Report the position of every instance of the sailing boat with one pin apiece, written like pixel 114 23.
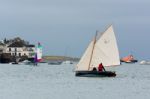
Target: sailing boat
pixel 38 54
pixel 67 59
pixel 102 49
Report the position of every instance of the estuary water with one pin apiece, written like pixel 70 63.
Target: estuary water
pixel 59 82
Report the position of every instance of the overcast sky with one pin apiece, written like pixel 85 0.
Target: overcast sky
pixel 65 27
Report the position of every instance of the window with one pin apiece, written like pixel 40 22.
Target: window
pixel 15 49
pixel 9 49
pixel 19 54
pixel 13 54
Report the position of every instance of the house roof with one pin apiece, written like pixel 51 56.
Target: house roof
pixel 17 44
pixel 30 45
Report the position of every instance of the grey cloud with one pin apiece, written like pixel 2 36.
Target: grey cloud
pixel 61 23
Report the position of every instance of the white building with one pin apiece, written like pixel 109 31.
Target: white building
pixel 1 47
pixel 18 47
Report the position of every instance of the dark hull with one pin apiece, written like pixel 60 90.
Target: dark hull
pixel 55 63
pixel 132 61
pixel 14 63
pixel 95 74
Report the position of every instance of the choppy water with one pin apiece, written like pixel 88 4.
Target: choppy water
pixel 58 82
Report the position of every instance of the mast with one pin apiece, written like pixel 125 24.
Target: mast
pixel 92 50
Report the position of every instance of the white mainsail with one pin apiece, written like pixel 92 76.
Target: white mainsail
pixel 105 51
pixel 85 60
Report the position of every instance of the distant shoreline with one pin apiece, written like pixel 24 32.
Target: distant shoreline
pixel 59 58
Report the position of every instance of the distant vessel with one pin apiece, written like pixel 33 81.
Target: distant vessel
pixel 129 59
pixel 67 62
pixel 144 62
pixel 55 63
pixel 67 59
pixel 103 49
pixel 26 62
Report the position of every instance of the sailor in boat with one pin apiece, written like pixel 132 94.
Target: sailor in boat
pixel 101 67
pixel 94 69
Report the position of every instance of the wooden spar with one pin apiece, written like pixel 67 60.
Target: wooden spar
pixel 92 50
